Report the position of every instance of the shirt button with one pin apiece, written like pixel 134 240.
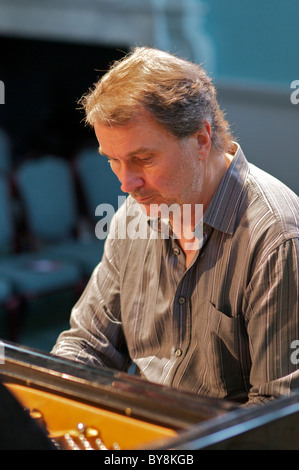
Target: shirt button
pixel 182 300
pixel 176 251
pixel 178 352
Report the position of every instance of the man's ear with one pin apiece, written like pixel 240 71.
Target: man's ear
pixel 204 141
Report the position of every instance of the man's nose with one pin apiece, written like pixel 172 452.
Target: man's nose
pixel 130 180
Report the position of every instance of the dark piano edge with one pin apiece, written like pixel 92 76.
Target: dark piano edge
pixel 109 389
pixel 245 424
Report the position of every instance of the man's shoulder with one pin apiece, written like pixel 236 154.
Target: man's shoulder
pixel 271 204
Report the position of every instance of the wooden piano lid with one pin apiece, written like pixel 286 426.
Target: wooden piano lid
pixel 123 408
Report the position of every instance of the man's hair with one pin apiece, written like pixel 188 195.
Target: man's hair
pixel 178 93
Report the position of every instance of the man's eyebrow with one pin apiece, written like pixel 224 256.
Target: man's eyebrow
pixel 138 151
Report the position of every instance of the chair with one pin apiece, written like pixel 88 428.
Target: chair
pixel 46 187
pixel 99 184
pixel 29 274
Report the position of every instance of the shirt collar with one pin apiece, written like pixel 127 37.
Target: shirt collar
pixel 222 210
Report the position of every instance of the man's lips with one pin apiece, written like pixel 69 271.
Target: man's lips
pixel 142 199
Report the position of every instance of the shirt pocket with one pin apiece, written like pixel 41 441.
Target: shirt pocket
pixel 228 332
pixel 225 342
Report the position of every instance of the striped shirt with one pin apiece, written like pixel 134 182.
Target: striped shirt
pixel 226 327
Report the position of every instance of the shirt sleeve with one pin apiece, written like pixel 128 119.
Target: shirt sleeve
pixel 273 324
pixel 96 334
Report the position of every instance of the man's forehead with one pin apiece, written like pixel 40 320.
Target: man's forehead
pixel 135 138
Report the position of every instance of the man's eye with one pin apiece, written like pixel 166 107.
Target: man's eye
pixel 147 160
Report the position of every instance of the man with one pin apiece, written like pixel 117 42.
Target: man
pixel 208 305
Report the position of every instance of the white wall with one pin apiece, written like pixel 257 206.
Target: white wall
pixel 266 124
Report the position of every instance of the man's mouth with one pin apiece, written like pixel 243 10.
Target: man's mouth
pixel 142 199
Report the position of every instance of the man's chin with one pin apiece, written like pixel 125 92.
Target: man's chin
pixel 159 210
pixel 149 207
pixel 146 208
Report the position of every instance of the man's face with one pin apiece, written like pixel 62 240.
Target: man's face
pixel 153 166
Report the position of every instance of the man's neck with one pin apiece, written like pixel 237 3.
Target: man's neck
pixel 190 239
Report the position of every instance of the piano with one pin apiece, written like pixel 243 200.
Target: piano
pixel 49 403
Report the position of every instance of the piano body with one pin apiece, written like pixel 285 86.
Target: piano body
pixel 48 403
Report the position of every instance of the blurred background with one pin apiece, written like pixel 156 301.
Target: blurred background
pixel 51 52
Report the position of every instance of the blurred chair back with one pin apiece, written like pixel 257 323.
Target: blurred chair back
pixel 26 275
pixel 99 184
pixel 47 190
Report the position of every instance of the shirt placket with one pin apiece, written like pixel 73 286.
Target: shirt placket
pixel 180 304
pixel 182 308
